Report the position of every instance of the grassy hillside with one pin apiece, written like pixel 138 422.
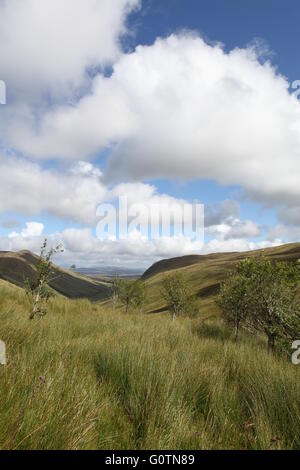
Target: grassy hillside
pixel 85 378
pixel 16 267
pixel 205 273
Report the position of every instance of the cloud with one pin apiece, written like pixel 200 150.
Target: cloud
pixel 32 229
pixel 205 113
pixel 144 201
pixel 72 132
pixel 216 214
pixel 289 215
pixel 10 223
pixel 284 233
pixel 237 245
pixel 234 229
pixel 180 108
pixel 72 194
pixel 46 47
pixel 222 220
pixel 184 109
pixel 84 249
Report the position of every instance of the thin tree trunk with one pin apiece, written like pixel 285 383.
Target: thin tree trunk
pixel 173 315
pixel 236 331
pixel 114 300
pixel 271 342
pixel 36 305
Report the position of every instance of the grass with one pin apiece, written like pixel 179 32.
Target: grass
pixel 86 378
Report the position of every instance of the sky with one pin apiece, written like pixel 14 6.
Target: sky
pixel 161 102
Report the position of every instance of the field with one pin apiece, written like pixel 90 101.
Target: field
pixel 84 377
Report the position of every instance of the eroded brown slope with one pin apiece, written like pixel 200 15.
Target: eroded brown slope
pixel 17 267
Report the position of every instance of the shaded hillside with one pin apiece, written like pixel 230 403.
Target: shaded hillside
pixel 205 273
pixel 16 267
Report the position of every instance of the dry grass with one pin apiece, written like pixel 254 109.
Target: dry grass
pixel 85 378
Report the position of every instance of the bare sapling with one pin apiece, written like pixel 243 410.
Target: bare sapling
pixel 38 288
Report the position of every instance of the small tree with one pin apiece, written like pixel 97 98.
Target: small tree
pixel 73 267
pixel 115 290
pixel 176 293
pixel 274 293
pixel 125 293
pixel 139 295
pixel 233 299
pixel 38 289
pixel 132 293
pixel 265 294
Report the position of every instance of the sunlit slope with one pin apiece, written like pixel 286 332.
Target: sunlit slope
pixel 16 267
pixel 205 274
pixel 85 377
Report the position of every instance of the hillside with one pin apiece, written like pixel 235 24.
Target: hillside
pixel 205 273
pixel 84 377
pixel 16 267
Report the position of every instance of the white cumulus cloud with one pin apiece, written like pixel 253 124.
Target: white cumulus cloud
pixel 32 229
pixel 183 109
pixel 47 46
pixel 29 189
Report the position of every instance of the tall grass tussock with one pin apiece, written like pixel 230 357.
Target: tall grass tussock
pixel 84 377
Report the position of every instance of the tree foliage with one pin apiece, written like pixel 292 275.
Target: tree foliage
pixel 139 295
pixel 132 294
pixel 233 299
pixel 265 295
pixel 176 292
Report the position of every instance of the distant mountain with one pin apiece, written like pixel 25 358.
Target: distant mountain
pixel 110 271
pixel 16 267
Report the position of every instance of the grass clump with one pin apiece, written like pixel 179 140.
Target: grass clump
pixel 86 378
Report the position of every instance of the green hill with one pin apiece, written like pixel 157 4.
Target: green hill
pixel 205 273
pixel 16 267
pixel 87 377
pixel 84 377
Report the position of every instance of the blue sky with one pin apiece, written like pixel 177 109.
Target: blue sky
pixel 233 22
pixel 187 100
